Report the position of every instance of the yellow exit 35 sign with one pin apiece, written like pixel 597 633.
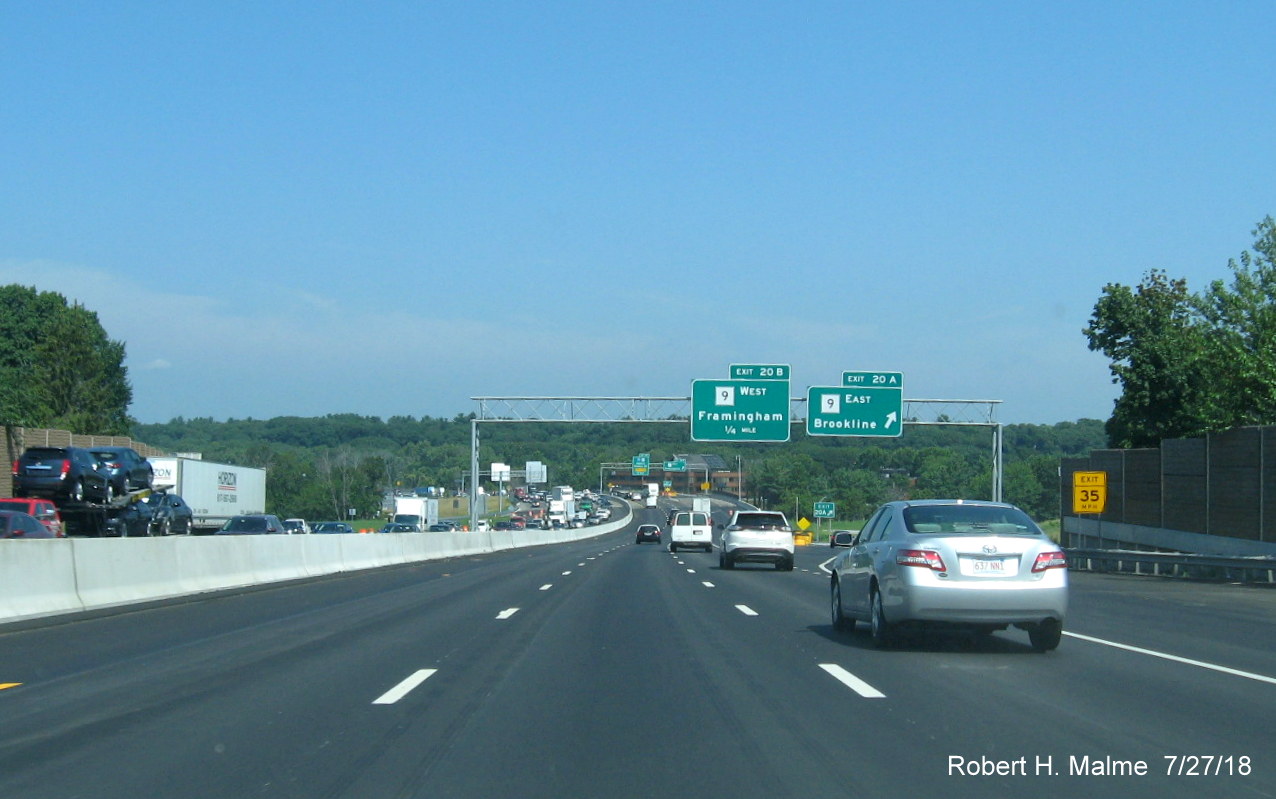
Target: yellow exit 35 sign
pixel 1089 492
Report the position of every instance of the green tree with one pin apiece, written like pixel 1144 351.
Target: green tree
pixel 23 312
pixel 946 474
pixel 1023 486
pixel 859 491
pixel 58 366
pixel 1157 347
pixel 1241 319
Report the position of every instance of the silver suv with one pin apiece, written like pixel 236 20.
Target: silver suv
pixel 757 536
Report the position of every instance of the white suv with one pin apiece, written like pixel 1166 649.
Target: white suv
pixel 757 536
pixel 690 528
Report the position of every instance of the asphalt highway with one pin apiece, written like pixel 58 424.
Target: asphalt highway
pixel 609 669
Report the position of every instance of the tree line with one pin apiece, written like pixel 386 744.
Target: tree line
pixel 319 467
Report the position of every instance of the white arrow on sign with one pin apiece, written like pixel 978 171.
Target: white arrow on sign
pixel 891 418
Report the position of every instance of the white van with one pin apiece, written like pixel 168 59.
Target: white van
pixel 691 528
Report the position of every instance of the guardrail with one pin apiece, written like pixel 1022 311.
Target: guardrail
pixel 1259 569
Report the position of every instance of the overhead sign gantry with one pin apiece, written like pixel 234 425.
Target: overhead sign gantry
pixel 753 404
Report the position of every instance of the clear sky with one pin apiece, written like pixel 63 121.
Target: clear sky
pixel 386 208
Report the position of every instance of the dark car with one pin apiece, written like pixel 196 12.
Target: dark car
pixel 335 527
pixel 253 524
pixel 648 532
pixel 66 474
pixel 42 509
pixel 170 515
pixel 14 524
pixel 131 521
pixel 124 468
pixel 399 527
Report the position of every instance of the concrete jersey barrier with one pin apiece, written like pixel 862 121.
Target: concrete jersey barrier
pixel 67 575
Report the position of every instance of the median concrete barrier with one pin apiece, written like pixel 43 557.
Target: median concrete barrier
pixel 110 571
pixel 47 577
pixel 37 578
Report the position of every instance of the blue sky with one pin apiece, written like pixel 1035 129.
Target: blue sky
pixel 302 208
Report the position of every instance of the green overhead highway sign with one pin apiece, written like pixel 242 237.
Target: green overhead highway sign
pixel 740 410
pixel 864 409
pixel 679 465
pixel 641 465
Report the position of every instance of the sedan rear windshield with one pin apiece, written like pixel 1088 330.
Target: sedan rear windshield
pixel 247 524
pixel 968 519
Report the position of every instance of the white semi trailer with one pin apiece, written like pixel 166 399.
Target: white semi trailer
pixel 214 491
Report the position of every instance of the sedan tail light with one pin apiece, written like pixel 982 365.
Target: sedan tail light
pixel 924 558
pixel 1050 560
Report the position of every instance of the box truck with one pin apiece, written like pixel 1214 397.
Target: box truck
pixel 419 512
pixel 214 491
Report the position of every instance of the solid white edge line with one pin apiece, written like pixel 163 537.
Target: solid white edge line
pixel 746 610
pixel 851 681
pixel 402 689
pixel 1175 658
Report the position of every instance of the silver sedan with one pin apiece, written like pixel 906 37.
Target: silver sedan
pixel 950 563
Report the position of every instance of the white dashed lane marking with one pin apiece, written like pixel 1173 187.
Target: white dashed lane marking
pixel 851 681
pixel 402 689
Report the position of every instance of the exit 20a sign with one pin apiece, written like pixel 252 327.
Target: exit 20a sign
pixel 1089 492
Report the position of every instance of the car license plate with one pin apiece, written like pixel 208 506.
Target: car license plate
pixel 986 567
